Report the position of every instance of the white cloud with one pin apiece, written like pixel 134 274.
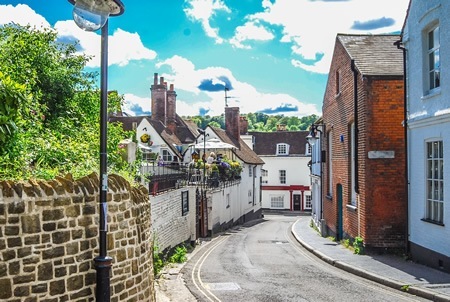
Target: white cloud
pixel 133 100
pixel 123 46
pixel 311 26
pixel 186 77
pixel 203 11
pixel 250 31
pixel 21 14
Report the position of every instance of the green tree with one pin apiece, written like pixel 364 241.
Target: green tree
pixel 54 106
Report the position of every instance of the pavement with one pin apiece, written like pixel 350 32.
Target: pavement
pixel 390 270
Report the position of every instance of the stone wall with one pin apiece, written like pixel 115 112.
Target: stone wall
pixel 49 237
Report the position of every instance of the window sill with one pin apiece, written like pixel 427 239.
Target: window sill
pixel 329 197
pixel 337 95
pixel 431 94
pixel 351 207
pixel 432 222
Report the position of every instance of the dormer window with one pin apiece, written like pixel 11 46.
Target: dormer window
pixel 282 149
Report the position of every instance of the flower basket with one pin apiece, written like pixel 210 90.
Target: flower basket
pixel 145 138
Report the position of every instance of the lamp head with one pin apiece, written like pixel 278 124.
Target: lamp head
pixel 91 15
pixel 311 138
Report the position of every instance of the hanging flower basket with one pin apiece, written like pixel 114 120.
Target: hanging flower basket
pixel 145 138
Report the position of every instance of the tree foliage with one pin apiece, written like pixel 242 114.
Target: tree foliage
pixel 49 109
pixel 260 121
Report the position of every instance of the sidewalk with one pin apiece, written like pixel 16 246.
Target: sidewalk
pixel 392 271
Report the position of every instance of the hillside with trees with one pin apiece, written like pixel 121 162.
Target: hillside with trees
pixel 259 121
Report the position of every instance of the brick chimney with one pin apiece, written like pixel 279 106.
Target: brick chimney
pixel 171 105
pixel 158 91
pixel 281 127
pixel 243 125
pixel 232 122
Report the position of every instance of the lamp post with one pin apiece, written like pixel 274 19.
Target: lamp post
pixel 91 15
pixel 203 203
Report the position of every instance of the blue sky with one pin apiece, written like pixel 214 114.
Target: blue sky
pixel 273 55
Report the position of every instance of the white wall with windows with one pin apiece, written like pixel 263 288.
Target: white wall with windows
pixel 427 40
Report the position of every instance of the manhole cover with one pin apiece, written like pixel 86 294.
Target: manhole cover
pixel 222 286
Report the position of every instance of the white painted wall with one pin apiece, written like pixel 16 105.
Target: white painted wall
pixel 297 173
pixel 429 118
pixel 170 228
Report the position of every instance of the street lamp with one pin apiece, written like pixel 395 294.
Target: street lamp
pixel 91 15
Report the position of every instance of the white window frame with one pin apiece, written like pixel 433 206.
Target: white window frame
pixel 434 200
pixel 282 149
pixel 277 201
pixel 166 156
pixel 308 202
pixel 432 58
pixel 264 176
pixel 282 176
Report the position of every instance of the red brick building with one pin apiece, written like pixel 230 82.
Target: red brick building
pixel 364 186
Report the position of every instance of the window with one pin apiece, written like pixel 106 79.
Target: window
pixel 184 203
pixel 250 171
pixel 353 164
pixel 338 82
pixel 435 182
pixel 282 176
pixel 147 155
pixel 250 196
pixel 433 58
pixel 282 149
pixel 330 163
pixel 166 156
pixel 228 200
pixel 308 149
pixel 264 176
pixel 277 201
pixel 308 204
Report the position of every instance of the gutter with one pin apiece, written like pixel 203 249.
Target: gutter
pixel 405 125
pixel 355 113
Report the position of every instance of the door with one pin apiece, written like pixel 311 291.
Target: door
pixel 297 202
pixel 340 220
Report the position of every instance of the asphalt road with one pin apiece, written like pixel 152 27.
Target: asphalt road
pixel 265 263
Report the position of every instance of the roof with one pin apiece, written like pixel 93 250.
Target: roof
pixel 243 152
pixel 374 55
pixel 265 143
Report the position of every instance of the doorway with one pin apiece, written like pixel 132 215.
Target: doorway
pixel 297 202
pixel 340 220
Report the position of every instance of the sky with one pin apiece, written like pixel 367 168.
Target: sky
pixel 272 55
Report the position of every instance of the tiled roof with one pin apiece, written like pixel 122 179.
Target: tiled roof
pixel 242 151
pixel 374 55
pixel 265 143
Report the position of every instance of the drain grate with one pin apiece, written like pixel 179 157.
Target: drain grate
pixel 223 286
pixel 273 241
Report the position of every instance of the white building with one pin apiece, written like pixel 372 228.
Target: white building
pixel 426 38
pixel 285 174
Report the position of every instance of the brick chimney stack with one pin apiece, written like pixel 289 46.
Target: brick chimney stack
pixel 171 105
pixel 158 92
pixel 232 122
pixel 243 125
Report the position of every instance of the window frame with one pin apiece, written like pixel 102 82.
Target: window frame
pixel 277 199
pixel 282 176
pixel 184 203
pixel 166 155
pixel 434 175
pixel 282 149
pixel 432 58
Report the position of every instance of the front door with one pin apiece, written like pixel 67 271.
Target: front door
pixel 297 202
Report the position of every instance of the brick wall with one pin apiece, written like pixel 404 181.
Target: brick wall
pixel 49 237
pixel 380 216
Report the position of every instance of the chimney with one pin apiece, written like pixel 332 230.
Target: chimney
pixel 171 104
pixel 158 92
pixel 232 122
pixel 281 127
pixel 243 125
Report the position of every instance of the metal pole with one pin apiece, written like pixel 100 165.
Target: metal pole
pixel 102 261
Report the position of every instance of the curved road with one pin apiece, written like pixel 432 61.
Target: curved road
pixel 265 263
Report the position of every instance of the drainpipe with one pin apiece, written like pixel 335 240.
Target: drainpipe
pixel 405 125
pixel 355 114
